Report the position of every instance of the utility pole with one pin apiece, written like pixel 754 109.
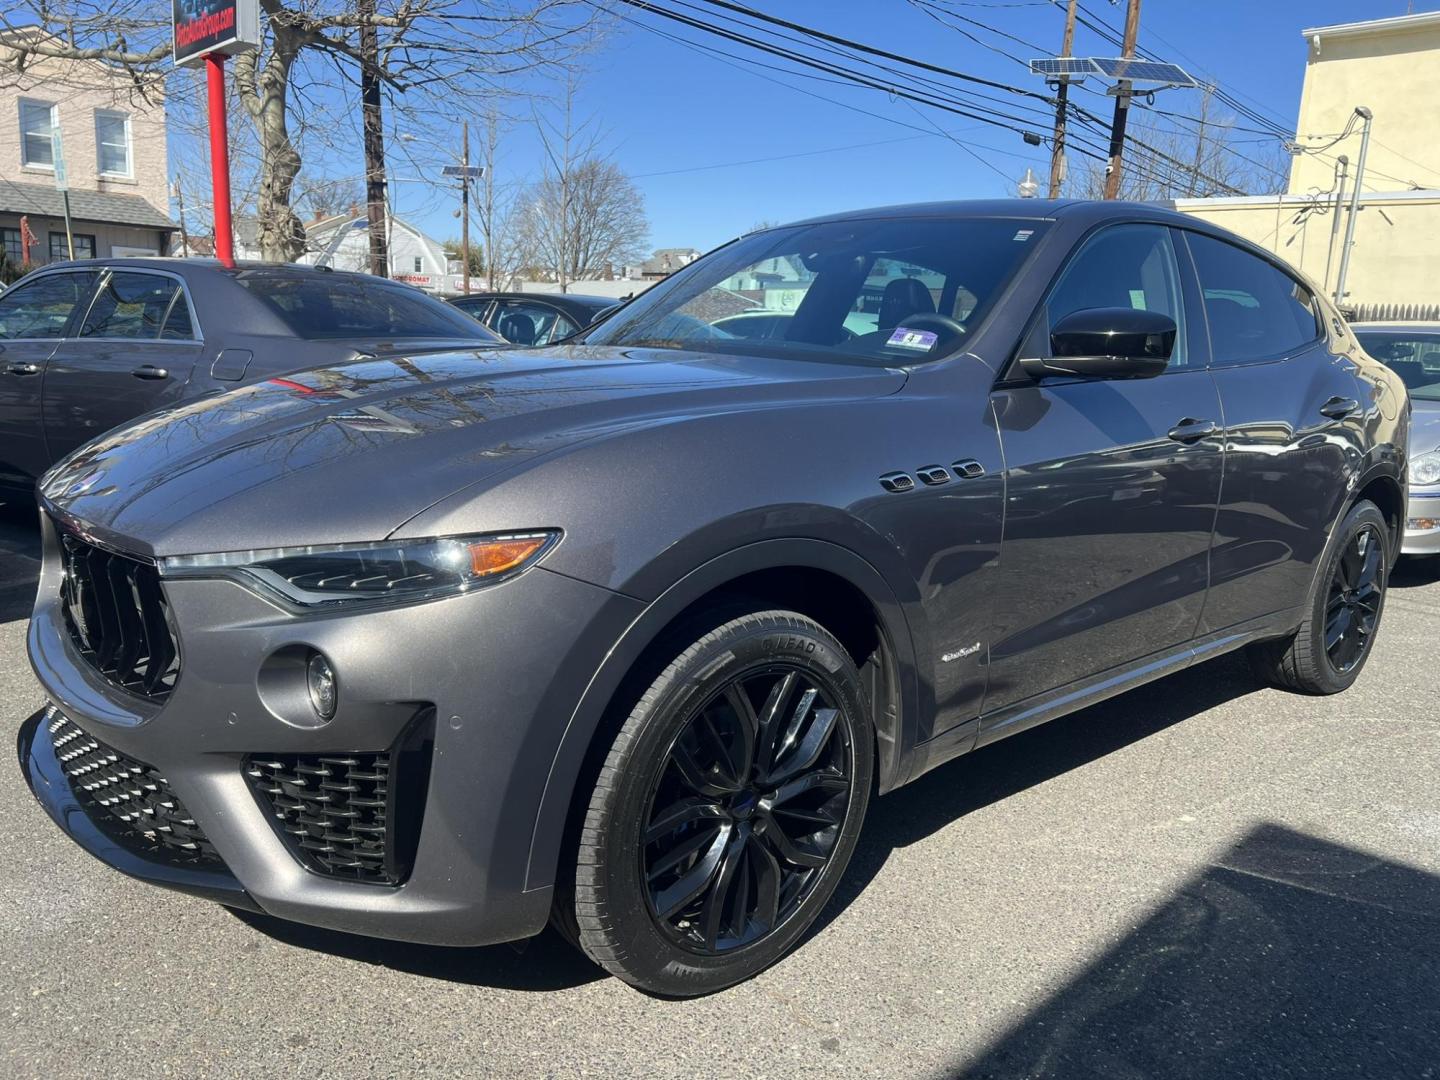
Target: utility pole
pixel 374 138
pixel 1342 168
pixel 1367 116
pixel 1057 143
pixel 180 205
pixel 1122 104
pixel 1200 144
pixel 465 206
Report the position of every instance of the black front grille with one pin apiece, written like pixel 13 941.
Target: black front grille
pixel 118 618
pixel 128 799
pixel 353 816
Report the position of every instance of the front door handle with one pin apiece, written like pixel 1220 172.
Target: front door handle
pixel 150 371
pixel 1338 408
pixel 1190 430
pixel 18 368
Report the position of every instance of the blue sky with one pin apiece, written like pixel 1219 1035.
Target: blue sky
pixel 669 113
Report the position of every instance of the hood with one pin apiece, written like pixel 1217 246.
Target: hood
pixel 349 452
pixel 1424 426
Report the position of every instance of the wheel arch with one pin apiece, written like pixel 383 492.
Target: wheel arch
pixel 1383 489
pixel 827 582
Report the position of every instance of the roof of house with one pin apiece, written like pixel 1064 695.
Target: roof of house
pixel 1423 20
pixel 98 206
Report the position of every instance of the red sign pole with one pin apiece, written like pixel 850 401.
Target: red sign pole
pixel 219 157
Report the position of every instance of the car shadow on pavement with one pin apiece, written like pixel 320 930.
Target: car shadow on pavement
pixel 19 560
pixel 993 773
pixel 543 963
pixel 1287 956
pixel 1413 572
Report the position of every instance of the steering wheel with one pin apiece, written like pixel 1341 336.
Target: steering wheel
pixel 933 320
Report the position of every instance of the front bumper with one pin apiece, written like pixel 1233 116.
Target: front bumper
pixel 1422 507
pixel 499 669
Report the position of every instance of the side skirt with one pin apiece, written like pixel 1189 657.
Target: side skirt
pixel 1033 711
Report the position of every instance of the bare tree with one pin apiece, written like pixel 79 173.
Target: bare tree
pixel 328 196
pixel 585 223
pixel 1201 160
pixel 430 52
pixel 584 217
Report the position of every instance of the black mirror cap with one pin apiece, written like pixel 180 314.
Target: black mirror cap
pixel 1107 343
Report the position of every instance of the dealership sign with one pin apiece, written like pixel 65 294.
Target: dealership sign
pixel 214 26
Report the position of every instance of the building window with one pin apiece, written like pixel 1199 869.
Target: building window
pixel 418 265
pixel 36 120
pixel 112 143
pixel 84 246
pixel 10 241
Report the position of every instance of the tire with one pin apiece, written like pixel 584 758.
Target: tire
pixel 1303 662
pixel 763 828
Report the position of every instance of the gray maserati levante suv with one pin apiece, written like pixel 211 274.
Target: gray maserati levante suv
pixel 625 634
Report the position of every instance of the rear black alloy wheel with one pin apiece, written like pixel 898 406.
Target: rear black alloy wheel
pixel 1342 612
pixel 726 809
pixel 747 811
pixel 1352 610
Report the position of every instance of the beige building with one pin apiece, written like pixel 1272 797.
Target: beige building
pixel 1391 67
pixel 115 160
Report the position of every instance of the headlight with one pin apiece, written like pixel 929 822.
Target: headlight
pixel 1425 469
pixel 390 571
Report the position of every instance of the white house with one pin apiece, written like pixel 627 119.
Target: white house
pixel 343 242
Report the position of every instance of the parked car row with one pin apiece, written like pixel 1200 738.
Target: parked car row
pixel 535 318
pixel 623 633
pixel 87 345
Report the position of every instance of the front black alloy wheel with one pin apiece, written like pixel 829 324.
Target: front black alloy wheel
pixel 727 808
pixel 748 809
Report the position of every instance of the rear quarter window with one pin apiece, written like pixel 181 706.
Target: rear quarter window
pixel 318 307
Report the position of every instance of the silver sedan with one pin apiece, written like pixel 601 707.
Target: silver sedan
pixel 1413 351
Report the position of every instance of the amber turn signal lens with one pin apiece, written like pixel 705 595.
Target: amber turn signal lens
pixel 490 557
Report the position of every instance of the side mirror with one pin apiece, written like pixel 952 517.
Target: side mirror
pixel 1106 343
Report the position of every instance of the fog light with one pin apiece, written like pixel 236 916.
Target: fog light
pixel 1422 524
pixel 321 680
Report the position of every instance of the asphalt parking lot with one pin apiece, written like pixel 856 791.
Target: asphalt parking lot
pixel 1200 879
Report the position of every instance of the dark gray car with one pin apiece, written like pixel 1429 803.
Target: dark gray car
pixel 627 633
pixel 87 345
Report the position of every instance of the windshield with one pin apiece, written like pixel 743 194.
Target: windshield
pixel 894 291
pixel 317 306
pixel 1415 357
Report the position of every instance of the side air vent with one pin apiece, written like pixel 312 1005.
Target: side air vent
pixel 897 482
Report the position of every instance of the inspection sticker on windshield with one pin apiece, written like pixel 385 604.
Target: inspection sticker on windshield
pixel 1024 234
pixel 919 340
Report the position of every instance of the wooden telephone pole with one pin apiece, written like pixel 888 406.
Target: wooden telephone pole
pixel 1057 143
pixel 374 140
pixel 1122 104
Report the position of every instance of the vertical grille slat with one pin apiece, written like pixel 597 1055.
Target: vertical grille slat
pixel 118 618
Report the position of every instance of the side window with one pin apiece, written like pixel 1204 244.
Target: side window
pixel 131 306
pixel 177 324
pixel 530 324
pixel 41 308
pixel 1124 266
pixel 1255 310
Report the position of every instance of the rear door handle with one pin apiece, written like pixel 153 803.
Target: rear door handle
pixel 18 368
pixel 1338 408
pixel 1189 430
pixel 150 371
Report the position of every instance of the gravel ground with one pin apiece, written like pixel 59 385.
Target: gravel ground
pixel 1199 879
